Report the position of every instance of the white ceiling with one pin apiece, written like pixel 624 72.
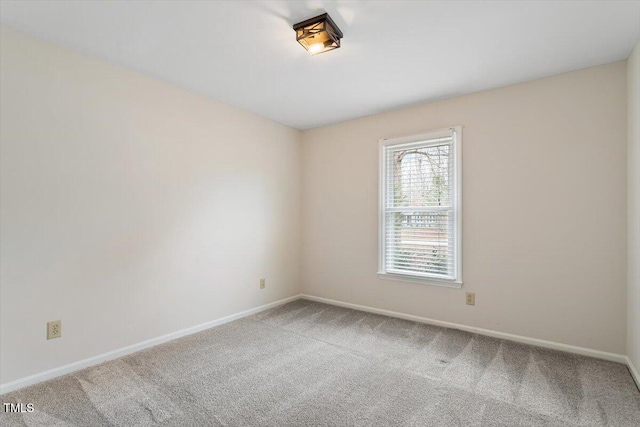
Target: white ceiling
pixel 394 54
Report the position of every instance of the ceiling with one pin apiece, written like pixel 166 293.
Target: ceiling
pixel 394 53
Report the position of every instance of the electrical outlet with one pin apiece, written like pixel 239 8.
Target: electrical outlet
pixel 54 329
pixel 263 283
pixel 471 298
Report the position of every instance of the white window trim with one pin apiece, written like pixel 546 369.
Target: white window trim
pixel 457 148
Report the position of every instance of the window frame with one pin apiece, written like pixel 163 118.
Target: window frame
pixel 456 133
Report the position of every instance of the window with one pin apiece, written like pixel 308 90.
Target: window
pixel 420 208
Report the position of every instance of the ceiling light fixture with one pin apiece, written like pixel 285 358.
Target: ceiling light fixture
pixel 318 35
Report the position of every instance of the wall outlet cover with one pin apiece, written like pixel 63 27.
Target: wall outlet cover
pixel 471 298
pixel 54 329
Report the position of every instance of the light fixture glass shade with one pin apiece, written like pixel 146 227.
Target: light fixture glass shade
pixel 318 35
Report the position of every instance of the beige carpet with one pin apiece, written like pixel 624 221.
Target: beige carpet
pixel 310 364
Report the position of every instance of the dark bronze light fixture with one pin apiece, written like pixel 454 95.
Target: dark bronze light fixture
pixel 319 34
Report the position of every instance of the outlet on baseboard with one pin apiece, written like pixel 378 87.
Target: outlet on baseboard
pixel 54 329
pixel 471 298
pixel 263 283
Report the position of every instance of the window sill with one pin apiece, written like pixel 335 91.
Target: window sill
pixel 421 280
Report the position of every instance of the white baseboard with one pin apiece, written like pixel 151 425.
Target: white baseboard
pixel 488 332
pixel 634 372
pixel 82 364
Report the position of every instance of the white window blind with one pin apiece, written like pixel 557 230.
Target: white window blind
pixel 420 207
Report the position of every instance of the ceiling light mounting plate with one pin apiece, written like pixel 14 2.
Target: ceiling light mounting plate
pixel 318 34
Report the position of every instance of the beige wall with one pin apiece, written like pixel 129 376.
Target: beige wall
pixel 544 195
pixel 633 123
pixel 130 208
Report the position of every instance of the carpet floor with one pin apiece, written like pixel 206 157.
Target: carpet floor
pixel 311 364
